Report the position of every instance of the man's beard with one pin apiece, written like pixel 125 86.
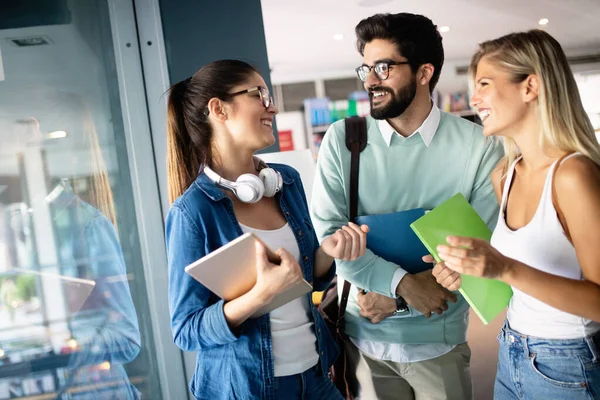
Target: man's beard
pixel 397 104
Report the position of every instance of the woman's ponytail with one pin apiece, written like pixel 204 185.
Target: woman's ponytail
pixel 182 158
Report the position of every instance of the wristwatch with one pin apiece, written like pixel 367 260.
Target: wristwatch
pixel 401 306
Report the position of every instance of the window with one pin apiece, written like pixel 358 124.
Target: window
pixel 74 307
pixel 295 93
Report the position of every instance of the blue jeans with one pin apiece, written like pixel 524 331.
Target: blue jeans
pixel 549 369
pixel 309 385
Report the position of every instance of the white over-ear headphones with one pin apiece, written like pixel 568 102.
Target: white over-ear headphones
pixel 250 188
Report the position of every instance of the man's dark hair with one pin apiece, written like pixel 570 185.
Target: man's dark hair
pixel 416 37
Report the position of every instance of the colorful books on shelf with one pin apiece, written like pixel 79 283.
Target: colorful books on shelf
pixel 456 217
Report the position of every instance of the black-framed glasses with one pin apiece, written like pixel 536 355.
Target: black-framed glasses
pixel 382 69
pixel 263 92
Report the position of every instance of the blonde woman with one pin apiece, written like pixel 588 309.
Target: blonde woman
pixel 546 244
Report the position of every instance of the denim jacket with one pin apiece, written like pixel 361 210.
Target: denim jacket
pixel 230 364
pixel 106 326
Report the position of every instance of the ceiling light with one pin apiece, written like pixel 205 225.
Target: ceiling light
pixel 338 36
pixel 543 21
pixel 444 29
pixel 30 41
pixel 105 366
pixel 57 135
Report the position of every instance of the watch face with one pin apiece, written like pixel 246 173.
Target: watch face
pixel 401 305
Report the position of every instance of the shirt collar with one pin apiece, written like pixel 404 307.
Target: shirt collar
pixel 426 130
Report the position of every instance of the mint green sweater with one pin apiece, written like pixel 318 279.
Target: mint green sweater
pixel 405 175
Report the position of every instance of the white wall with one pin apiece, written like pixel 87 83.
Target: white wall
pixel 302 161
pixel 294 121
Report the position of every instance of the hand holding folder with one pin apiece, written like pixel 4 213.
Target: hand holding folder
pixel 481 259
pixel 456 217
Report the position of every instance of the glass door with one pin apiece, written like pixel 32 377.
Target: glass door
pixel 74 310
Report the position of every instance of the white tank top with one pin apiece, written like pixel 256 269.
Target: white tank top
pixel 292 333
pixel 541 244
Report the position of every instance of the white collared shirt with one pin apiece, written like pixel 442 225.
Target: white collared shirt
pixel 427 129
pixel 397 352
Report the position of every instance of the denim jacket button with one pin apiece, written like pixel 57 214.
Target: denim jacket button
pixel 305 258
pixel 299 233
pixel 511 338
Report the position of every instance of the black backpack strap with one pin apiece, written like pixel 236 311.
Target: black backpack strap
pixel 356 141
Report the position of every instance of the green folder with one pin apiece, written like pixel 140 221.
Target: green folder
pixel 456 217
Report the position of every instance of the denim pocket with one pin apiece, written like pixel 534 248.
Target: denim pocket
pixel 561 371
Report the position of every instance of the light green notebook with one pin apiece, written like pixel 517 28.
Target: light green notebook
pixel 456 217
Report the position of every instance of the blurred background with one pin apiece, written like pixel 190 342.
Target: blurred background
pixel 312 53
pixel 83 296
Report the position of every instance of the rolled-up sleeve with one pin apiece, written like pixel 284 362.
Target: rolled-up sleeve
pixel 321 283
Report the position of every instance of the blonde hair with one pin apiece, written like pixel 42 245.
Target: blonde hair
pixel 101 195
pixel 69 108
pixel 564 123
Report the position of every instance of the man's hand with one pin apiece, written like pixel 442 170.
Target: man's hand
pixel 444 276
pixel 375 307
pixel 423 293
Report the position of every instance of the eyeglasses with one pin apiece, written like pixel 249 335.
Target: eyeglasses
pixel 263 92
pixel 382 69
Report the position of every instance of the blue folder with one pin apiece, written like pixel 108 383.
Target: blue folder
pixel 391 238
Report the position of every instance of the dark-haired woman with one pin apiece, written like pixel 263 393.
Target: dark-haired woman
pixel 218 118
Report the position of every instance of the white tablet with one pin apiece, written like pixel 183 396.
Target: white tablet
pixel 230 272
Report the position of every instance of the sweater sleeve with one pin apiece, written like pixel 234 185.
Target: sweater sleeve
pixel 329 211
